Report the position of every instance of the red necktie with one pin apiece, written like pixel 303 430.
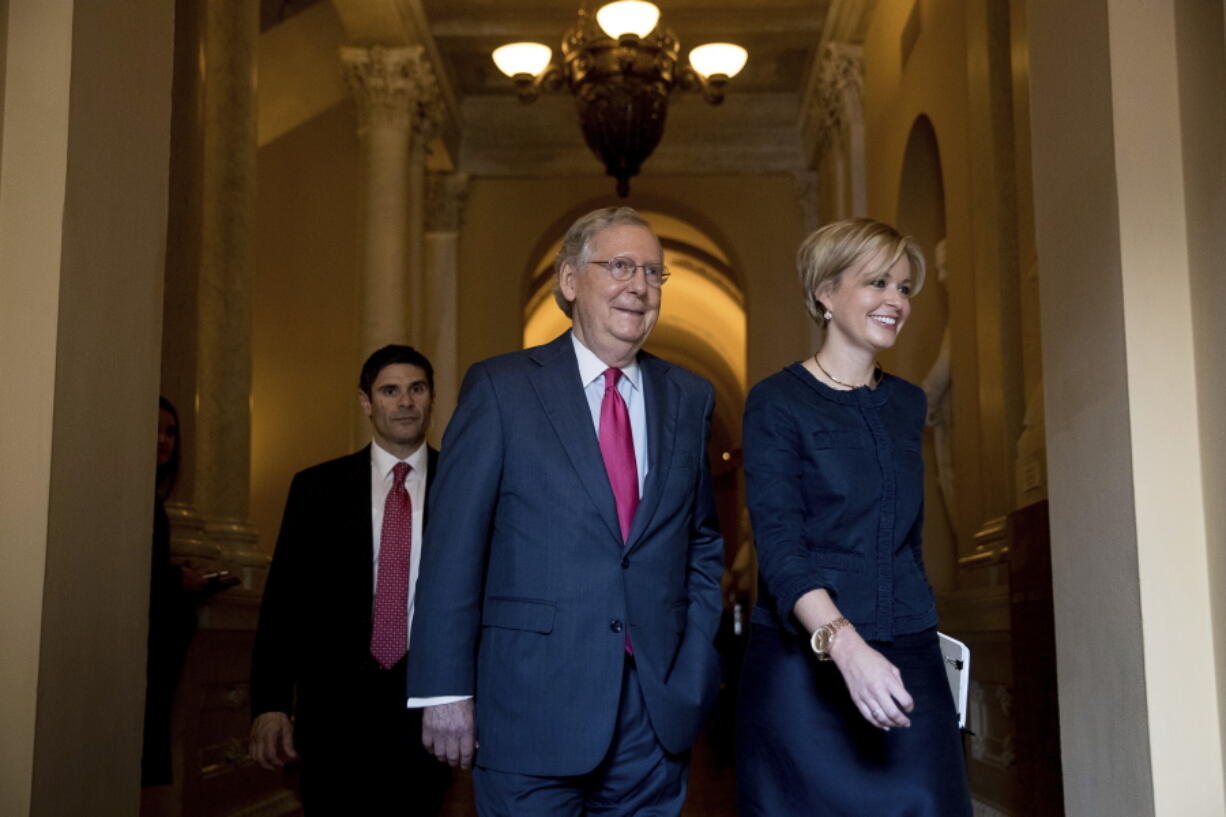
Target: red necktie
pixel 617 448
pixel 389 636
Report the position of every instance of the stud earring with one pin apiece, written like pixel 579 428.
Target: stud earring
pixel 827 314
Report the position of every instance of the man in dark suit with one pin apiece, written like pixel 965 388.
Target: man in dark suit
pixel 571 573
pixel 332 643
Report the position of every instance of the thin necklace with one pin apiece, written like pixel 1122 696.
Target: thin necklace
pixel 871 377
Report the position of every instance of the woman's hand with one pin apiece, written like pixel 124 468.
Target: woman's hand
pixel 874 683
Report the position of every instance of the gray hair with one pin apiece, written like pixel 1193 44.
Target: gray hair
pixel 831 250
pixel 577 244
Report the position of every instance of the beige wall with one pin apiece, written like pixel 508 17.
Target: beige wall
pixel 304 291
pixel 4 36
pixel 1201 34
pixel 82 213
pixel 1140 729
pixel 33 166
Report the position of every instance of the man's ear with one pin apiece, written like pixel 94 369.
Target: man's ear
pixel 364 402
pixel 566 280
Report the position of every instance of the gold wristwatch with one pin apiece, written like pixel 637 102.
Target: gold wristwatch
pixel 822 639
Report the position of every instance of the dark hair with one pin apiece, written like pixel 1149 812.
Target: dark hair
pixel 168 473
pixel 389 356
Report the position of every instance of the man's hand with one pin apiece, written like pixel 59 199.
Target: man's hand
pixel 272 740
pixel 449 732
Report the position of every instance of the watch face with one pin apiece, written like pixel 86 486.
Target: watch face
pixel 822 639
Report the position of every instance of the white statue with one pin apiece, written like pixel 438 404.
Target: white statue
pixel 937 385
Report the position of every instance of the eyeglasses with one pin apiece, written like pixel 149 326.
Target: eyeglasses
pixel 623 269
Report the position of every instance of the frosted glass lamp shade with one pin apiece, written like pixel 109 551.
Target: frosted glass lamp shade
pixel 628 17
pixel 522 58
pixel 718 58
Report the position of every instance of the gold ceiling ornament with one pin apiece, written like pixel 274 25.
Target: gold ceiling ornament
pixel 621 67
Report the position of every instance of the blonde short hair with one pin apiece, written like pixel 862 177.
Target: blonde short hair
pixel 828 252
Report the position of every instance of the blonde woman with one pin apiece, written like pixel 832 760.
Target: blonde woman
pixel 843 707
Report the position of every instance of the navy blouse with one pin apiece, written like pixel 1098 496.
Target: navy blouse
pixel 835 483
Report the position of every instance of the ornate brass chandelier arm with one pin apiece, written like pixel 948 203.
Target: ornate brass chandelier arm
pixel 528 87
pixel 711 88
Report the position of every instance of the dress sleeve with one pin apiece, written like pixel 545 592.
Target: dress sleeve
pixel 915 534
pixel 774 477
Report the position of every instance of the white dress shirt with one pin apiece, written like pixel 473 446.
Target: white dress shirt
pixel 629 386
pixel 382 467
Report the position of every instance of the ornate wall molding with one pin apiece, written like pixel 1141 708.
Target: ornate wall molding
pixel 805 188
pixel 836 101
pixel 982 809
pixel 446 195
pixel 394 87
pixel 991 714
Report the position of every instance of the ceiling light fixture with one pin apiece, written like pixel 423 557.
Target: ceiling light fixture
pixel 621 67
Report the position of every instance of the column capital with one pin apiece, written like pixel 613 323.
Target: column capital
pixel 837 101
pixel 429 113
pixel 393 86
pixel 446 195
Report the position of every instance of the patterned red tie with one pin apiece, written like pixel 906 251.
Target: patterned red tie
pixel 389 636
pixel 617 448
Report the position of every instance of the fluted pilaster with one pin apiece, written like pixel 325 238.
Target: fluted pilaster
pixel 227 44
pixel 395 90
pixel 445 199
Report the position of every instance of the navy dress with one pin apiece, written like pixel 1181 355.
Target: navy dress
pixel 835 483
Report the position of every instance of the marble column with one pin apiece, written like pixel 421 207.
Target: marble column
pixel 425 124
pixel 392 86
pixel 446 195
pixel 227 49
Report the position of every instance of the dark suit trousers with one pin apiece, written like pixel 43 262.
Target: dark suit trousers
pixel 364 754
pixel 637 777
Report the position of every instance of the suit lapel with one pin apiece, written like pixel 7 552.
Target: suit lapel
pixel 661 404
pixel 560 391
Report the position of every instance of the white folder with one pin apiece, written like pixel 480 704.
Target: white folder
pixel 958 672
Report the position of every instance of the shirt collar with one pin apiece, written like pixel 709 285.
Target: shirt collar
pixel 592 367
pixel 383 461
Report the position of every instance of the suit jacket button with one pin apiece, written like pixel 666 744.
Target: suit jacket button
pixel 625 562
pixel 616 626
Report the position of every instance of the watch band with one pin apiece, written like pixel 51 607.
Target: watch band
pixel 822 640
